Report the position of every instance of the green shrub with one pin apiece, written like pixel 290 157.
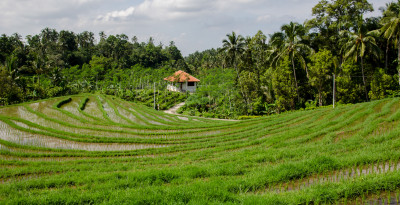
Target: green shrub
pixel 246 117
pixel 83 103
pixel 63 102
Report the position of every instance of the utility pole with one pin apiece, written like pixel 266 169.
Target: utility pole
pixel 154 95
pixel 158 97
pixel 334 90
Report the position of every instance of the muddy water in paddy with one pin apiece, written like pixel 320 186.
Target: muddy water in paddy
pixel 73 107
pixel 92 109
pixel 145 118
pixel 10 134
pixel 129 116
pixel 111 113
pixel 336 176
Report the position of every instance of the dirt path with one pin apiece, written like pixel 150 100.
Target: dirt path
pixel 173 110
pixel 176 107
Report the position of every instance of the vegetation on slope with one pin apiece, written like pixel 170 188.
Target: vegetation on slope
pixel 116 151
pixel 163 99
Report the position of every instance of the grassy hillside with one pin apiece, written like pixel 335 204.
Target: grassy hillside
pixel 164 99
pixel 101 149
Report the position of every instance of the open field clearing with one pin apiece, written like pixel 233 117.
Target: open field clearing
pixel 101 149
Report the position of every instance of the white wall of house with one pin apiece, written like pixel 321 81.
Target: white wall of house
pixel 172 87
pixel 190 88
pixel 176 87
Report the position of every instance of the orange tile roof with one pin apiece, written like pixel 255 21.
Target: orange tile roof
pixel 180 77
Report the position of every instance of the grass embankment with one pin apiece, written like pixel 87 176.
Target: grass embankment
pixel 349 154
pixel 164 99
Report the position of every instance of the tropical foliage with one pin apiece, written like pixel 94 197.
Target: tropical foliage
pixel 59 63
pixel 290 68
pixel 253 75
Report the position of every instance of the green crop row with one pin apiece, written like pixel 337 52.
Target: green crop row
pixel 62 102
pixel 82 105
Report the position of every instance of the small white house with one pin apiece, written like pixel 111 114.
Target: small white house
pixel 181 81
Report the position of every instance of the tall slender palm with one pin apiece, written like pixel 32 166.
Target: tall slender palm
pixel 357 44
pixel 234 46
pixel 391 29
pixel 293 46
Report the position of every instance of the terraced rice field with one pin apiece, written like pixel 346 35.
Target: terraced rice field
pixel 100 149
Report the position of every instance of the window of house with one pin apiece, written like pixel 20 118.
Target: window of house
pixel 190 83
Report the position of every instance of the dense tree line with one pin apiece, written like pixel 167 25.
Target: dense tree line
pixel 56 63
pixel 294 67
pixel 261 74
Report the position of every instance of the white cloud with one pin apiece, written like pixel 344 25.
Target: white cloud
pixel 32 15
pixel 192 24
pixel 264 18
pixel 173 9
pixel 166 10
pixel 117 14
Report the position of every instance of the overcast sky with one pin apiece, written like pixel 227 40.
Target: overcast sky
pixel 191 24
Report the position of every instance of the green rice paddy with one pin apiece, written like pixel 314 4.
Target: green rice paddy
pixel 103 150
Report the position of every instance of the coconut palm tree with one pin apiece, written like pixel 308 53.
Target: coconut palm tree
pixel 234 47
pixel 293 46
pixel 357 44
pixel 391 29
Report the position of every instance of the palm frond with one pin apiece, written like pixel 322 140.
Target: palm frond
pixel 350 52
pixel 363 48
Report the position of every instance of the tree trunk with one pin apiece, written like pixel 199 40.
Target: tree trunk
pixel 308 77
pixel 320 95
pixel 320 99
pixel 295 80
pixel 398 59
pixel 363 76
pixel 240 87
pixel 386 55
